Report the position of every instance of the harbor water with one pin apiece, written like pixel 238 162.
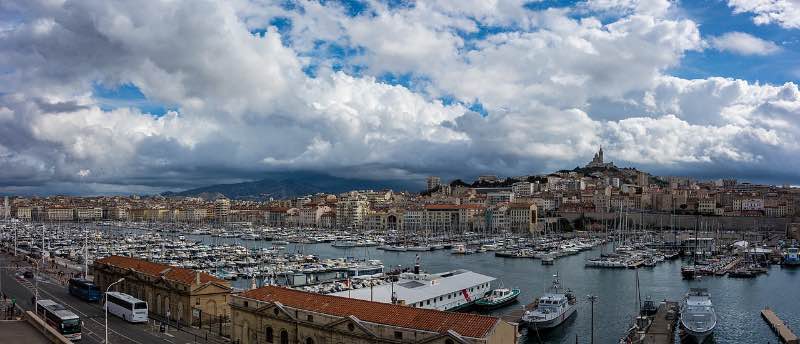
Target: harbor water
pixel 737 301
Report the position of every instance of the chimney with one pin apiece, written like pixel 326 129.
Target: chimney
pixel 197 277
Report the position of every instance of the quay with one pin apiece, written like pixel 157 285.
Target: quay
pixel 515 315
pixel 784 333
pixel 662 330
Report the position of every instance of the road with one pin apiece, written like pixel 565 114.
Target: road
pixel 92 314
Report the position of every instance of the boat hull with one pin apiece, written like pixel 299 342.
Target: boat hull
pixel 554 322
pixel 697 337
pixel 486 305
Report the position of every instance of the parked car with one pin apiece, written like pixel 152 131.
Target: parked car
pixel 27 274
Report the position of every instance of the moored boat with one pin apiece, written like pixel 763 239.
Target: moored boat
pixel 497 298
pixel 698 317
pixel 552 309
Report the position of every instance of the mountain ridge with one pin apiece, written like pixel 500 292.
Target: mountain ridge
pixel 282 185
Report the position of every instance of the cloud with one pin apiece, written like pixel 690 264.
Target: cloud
pixel 554 83
pixel 744 44
pixel 785 13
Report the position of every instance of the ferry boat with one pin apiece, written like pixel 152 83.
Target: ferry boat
pixel 552 309
pixel 459 249
pixel 791 258
pixel 445 291
pixel 698 317
pixel 498 298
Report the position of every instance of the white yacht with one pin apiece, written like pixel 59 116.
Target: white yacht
pixel 553 308
pixel 459 249
pixel 698 317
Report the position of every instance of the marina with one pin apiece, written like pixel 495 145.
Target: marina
pixel 308 260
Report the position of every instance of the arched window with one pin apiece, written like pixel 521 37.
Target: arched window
pixel 284 337
pixel 309 340
pixel 268 334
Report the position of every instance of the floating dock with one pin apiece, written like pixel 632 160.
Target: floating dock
pixel 656 329
pixel 784 333
pixel 662 330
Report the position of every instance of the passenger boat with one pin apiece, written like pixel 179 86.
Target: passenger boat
pixel 552 309
pixel 698 317
pixel 791 258
pixel 497 298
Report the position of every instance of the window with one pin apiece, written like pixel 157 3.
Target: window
pixel 310 317
pixel 268 334
pixel 284 337
pixel 351 327
pixel 245 303
pixel 275 310
pixel 309 340
pixel 449 341
pixel 429 302
pixel 398 335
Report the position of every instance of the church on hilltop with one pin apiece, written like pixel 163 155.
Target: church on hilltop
pixel 597 161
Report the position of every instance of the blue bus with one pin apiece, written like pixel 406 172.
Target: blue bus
pixel 84 289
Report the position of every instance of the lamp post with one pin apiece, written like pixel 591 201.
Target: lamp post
pixel 106 305
pixel 592 299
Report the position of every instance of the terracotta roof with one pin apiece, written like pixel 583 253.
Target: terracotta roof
pixel 174 273
pixel 453 206
pixel 468 325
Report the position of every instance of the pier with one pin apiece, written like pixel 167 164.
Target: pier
pixel 656 329
pixel 662 330
pixel 515 315
pixel 784 333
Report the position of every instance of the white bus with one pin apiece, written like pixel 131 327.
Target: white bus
pixel 59 318
pixel 126 307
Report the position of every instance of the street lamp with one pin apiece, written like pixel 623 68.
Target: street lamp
pixel 592 299
pixel 106 305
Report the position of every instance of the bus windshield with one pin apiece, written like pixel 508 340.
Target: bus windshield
pixel 71 326
pixel 140 305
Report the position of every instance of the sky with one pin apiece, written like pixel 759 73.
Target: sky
pixel 104 96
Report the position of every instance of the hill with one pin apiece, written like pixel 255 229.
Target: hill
pixel 287 185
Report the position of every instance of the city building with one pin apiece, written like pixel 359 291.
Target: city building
pixel 88 214
pixel 433 182
pixel 522 217
pixel 281 315
pixel 171 292
pixel 60 214
pixel 222 208
pixel 351 211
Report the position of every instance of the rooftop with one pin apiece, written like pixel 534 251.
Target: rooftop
pixel 173 273
pixel 413 288
pixel 468 325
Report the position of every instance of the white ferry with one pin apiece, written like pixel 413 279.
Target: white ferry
pixel 446 291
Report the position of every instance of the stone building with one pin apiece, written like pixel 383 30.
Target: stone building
pixel 280 315
pixel 166 289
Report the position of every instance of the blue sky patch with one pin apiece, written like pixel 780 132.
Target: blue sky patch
pixel 127 95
